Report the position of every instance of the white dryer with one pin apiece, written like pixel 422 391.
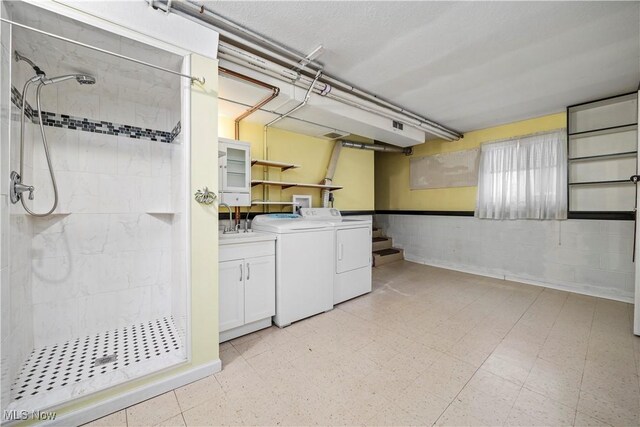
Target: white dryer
pixel 352 248
pixel 304 265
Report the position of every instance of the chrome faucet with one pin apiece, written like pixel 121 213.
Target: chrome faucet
pixel 229 229
pixel 17 188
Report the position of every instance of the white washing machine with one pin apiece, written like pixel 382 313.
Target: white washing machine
pixel 304 265
pixel 352 248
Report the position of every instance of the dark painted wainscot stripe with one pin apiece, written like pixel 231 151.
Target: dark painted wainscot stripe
pixel 434 213
pixel 617 216
pixel 353 213
pixel 611 216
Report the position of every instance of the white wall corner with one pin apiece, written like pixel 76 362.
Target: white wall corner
pixel 138 21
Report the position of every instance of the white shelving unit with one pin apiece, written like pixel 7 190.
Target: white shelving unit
pixel 602 152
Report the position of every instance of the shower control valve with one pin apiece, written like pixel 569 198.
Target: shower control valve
pixel 17 188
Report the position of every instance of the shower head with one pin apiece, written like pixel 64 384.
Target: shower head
pixel 83 79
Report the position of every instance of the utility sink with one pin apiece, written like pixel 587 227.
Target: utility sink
pixel 239 235
pixel 230 238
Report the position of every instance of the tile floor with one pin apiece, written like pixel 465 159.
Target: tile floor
pixel 427 346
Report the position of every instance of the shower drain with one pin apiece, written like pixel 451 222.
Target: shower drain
pixel 104 360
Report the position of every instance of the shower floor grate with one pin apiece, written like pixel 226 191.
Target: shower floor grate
pixel 68 363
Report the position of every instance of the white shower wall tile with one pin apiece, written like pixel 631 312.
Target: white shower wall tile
pixel 53 279
pixel 134 156
pixel 97 153
pixel 111 310
pixel 78 100
pixel 161 160
pixel 53 321
pixel 5 294
pixel 117 110
pixel 149 116
pixel 77 191
pixel 4 231
pixel 63 146
pixel 584 256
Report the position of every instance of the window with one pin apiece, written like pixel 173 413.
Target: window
pixel 524 178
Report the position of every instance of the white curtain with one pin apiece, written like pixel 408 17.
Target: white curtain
pixel 524 178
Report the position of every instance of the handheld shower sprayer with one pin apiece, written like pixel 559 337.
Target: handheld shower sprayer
pixel 17 187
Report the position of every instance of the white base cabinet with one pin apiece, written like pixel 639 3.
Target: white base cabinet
pixel 247 287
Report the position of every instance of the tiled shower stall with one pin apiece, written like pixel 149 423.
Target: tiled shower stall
pixel 95 293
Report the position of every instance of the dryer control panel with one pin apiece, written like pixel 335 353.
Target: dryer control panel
pixel 320 213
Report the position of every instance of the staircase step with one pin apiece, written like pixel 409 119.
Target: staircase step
pixel 386 256
pixel 379 243
pixel 377 233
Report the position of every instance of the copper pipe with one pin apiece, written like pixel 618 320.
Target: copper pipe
pixel 274 93
pixel 253 109
pixel 237 215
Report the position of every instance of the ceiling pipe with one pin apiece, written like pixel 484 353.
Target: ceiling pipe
pixel 299 106
pixel 274 93
pixel 244 33
pixel 246 59
pixel 377 147
pixel 197 12
pixel 283 54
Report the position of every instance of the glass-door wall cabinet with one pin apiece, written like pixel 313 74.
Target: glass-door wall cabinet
pixel 234 166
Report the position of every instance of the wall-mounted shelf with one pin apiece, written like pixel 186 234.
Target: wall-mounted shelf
pixel 605 156
pixel 286 185
pixel 605 131
pixel 271 164
pixel 50 215
pixel 160 213
pixel 615 181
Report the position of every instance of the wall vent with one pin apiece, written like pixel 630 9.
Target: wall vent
pixel 334 135
pixel 398 125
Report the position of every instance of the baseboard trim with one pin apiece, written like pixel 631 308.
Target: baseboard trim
pixel 586 290
pixel 122 401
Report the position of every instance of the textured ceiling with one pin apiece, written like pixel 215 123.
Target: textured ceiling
pixel 468 65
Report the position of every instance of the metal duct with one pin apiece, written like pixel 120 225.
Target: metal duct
pixel 331 171
pixel 377 147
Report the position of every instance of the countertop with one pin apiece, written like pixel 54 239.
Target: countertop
pixel 241 238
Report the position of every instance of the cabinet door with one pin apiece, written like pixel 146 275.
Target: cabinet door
pixel 260 288
pixel 353 249
pixel 237 169
pixel 231 294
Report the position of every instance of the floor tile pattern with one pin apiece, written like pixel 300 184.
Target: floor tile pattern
pixel 427 347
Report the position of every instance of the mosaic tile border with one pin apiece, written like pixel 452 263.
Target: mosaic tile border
pixel 96 126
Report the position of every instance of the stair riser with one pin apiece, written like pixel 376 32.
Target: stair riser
pixel 377 233
pixel 382 260
pixel 376 246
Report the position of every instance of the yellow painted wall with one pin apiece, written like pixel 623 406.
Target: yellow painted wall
pixel 392 170
pixel 355 170
pixel 204 235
